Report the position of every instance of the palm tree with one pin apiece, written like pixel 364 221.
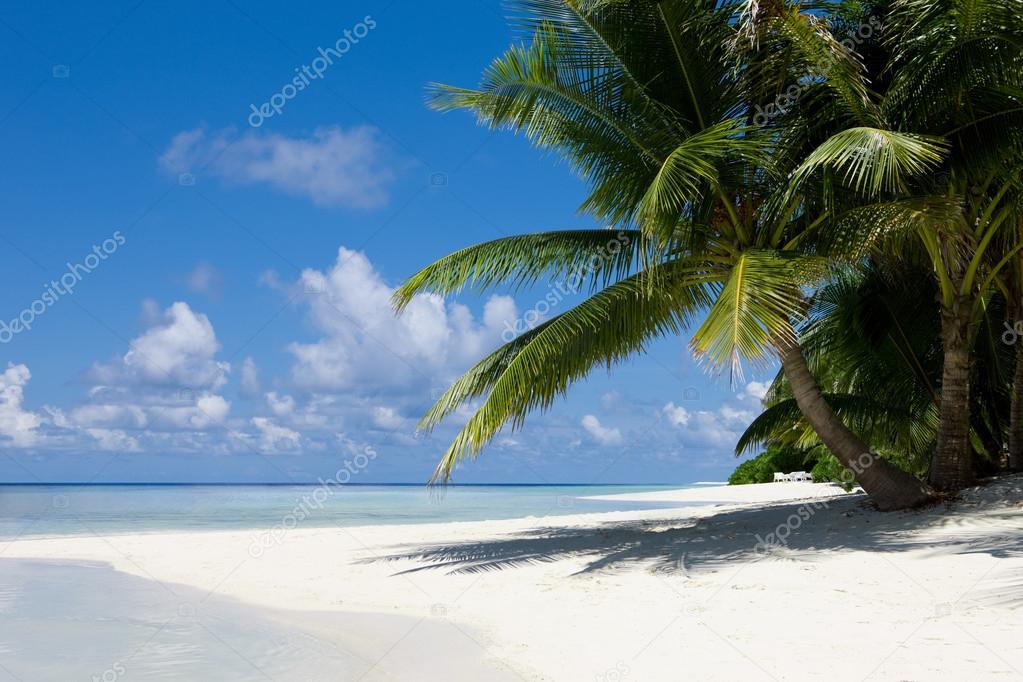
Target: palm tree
pixel 951 71
pixel 653 103
pixel 878 351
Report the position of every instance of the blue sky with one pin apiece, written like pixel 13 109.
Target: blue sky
pixel 224 315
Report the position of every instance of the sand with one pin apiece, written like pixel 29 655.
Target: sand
pixel 780 581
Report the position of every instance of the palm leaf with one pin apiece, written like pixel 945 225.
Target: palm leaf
pixel 872 161
pixel 757 306
pixel 595 257
pixel 532 371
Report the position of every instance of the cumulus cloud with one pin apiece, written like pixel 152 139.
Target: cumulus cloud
pixel 600 433
pixel 332 167
pixel 364 344
pixel 162 392
pixel 281 405
pixel 274 438
pixel 676 414
pixel 17 425
pixel 178 350
pixel 107 415
pixel 388 418
pixel 714 428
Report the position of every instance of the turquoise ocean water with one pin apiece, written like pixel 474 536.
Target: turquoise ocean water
pixel 98 509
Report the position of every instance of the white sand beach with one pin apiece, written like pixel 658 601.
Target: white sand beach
pixel 839 591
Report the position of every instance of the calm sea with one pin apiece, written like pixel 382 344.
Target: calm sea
pixel 97 509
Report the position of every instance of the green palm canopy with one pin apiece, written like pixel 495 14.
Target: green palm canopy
pixel 713 226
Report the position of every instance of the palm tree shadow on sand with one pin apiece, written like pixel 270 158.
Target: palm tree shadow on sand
pixel 985 521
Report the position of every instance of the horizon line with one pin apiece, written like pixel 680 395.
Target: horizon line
pixel 315 483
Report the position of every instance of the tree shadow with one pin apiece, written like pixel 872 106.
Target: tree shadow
pixel 984 520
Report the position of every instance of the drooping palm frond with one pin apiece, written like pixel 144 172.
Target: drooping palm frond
pixel 693 169
pixel 872 161
pixel 757 305
pixel 587 88
pixel 875 347
pixel 826 60
pixel 667 55
pixel 884 425
pixel 593 257
pixel 568 108
pixel 532 371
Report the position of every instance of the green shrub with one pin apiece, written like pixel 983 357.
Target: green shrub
pixel 783 458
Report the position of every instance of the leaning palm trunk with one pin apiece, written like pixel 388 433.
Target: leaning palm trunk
pixel 890 487
pixel 951 466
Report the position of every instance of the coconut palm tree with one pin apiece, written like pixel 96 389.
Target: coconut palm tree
pixel 950 71
pixel 879 353
pixel 654 104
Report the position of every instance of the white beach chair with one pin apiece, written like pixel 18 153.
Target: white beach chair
pixel 798 476
pixel 778 476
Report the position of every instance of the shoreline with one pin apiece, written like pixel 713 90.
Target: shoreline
pixel 688 588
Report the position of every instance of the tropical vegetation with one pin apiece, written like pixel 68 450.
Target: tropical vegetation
pixel 768 171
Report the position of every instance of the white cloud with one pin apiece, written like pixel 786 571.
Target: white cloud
pixel 333 166
pixel 178 350
pixel 676 414
pixel 107 415
pixel 610 400
pixel 162 392
pixel 17 425
pixel 736 418
pixel 114 440
pixel 365 345
pixel 274 438
pixel 716 428
pixel 388 418
pixel 757 389
pixel 282 405
pixel 602 434
pixel 249 378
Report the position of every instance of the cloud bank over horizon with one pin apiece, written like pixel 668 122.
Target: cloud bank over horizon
pixel 361 380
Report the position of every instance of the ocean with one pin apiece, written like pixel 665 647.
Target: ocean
pixel 102 509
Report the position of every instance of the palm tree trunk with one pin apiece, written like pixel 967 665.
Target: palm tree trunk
pixel 889 487
pixel 951 465
pixel 1016 413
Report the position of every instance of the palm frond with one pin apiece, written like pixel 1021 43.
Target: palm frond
pixel 532 371
pixel 758 305
pixel 872 161
pixel 593 257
